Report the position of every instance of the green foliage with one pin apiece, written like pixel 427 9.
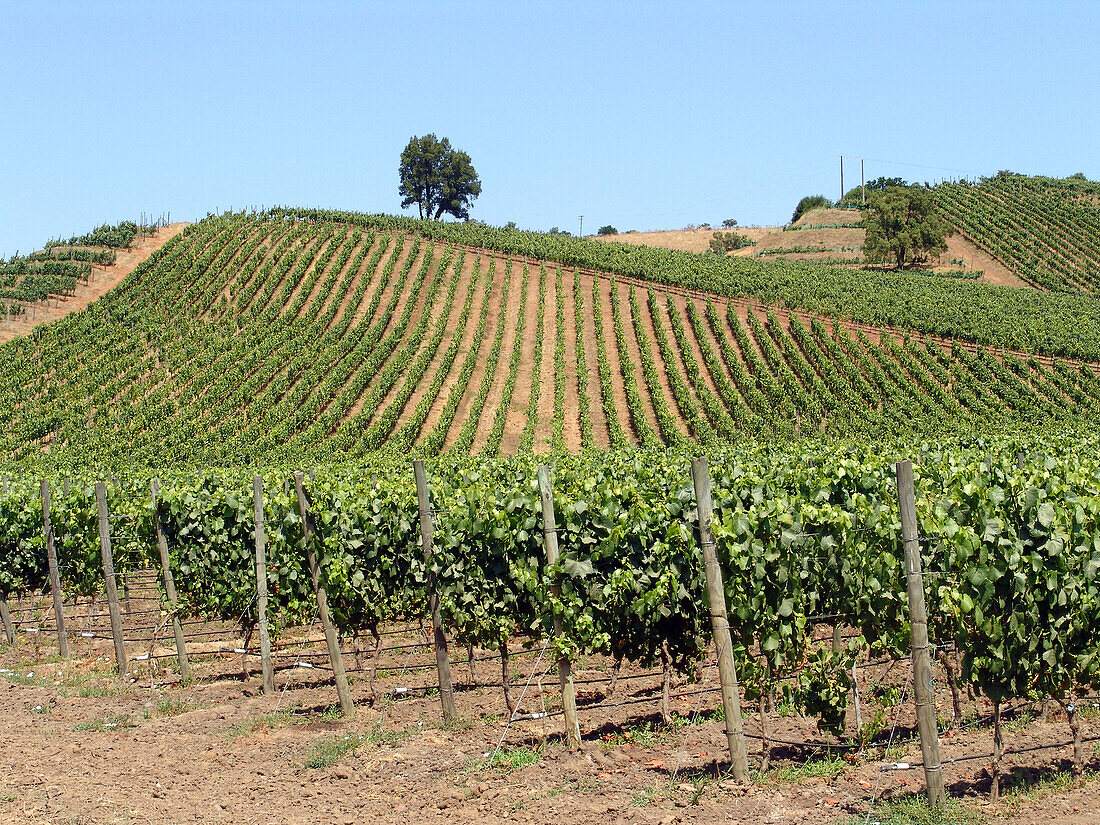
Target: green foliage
pixel 120 235
pixel 1045 230
pixel 607 230
pixel 723 242
pixel 327 752
pixel 437 178
pixel 729 223
pixel 855 195
pixel 903 224
pixel 810 202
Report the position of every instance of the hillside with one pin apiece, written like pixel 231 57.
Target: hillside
pixel 29 302
pixel 1046 230
pixel 252 338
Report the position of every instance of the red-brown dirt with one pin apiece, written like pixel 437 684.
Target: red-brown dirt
pixel 103 280
pixel 82 746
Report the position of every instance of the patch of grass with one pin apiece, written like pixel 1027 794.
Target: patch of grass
pixel 645 734
pixel 1020 721
pixel 1020 786
pixel 914 810
pixel 115 721
pixel 275 719
pixel 829 766
pixel 388 736
pixel 507 760
pixel 29 679
pixel 169 706
pixel 327 752
pixel 96 691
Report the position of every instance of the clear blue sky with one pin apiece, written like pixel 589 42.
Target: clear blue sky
pixel 640 115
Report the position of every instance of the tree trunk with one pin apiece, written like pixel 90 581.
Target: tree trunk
pixel 615 668
pixel 666 682
pixel 506 678
pixel 998 752
pixel 374 660
pixel 956 697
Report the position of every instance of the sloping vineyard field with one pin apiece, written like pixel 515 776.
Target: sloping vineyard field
pixel 1046 230
pixel 260 338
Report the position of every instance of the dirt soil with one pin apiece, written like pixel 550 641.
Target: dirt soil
pixel 82 746
pixel 103 280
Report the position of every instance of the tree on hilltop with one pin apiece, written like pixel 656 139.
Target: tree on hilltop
pixel 810 202
pixel 902 224
pixel 437 178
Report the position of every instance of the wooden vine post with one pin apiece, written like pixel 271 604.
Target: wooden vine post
pixel 5 614
pixel 427 539
pixel 170 586
pixel 918 623
pixel 55 576
pixel 719 622
pixel 565 667
pixel 347 706
pixel 261 583
pixel 109 577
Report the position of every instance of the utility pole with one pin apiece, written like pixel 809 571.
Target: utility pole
pixel 842 177
pixel 580 232
pixel 862 183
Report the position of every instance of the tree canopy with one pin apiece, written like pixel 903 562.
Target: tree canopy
pixel 810 202
pixel 903 225
pixel 438 178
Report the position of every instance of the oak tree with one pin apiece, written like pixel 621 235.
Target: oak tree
pixel 438 178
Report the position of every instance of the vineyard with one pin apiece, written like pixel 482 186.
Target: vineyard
pixel 227 439
pixel 808 540
pixel 263 339
pixel 1044 229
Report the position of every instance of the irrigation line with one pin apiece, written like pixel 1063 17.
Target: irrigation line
pixel 889 744
pixel 511 716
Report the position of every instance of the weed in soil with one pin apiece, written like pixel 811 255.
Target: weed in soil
pixel 914 810
pixel 116 721
pixel 327 752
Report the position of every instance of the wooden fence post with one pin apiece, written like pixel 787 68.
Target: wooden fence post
pixel 170 586
pixel 5 616
pixel 427 540
pixel 261 583
pixel 109 577
pixel 565 668
pixel 918 623
pixel 719 622
pixel 55 576
pixel 333 641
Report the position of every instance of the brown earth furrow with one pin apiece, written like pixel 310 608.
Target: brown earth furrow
pixel 418 304
pixel 544 431
pixel 521 396
pixel 103 280
pixel 603 288
pixel 500 375
pixel 469 278
pixel 636 356
pixel 498 313
pixel 448 385
pixel 571 426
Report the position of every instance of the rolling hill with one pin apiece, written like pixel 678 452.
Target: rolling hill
pixel 301 333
